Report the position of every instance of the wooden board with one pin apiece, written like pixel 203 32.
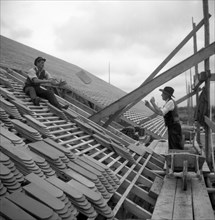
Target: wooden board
pixel 202 207
pixel 183 202
pixel 165 202
pixel 156 187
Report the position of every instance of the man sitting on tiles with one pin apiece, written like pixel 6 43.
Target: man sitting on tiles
pixel 37 76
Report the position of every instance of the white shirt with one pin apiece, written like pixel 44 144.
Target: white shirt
pixel 169 106
pixel 32 73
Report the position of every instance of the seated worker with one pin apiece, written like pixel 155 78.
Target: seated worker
pixel 37 76
pixel 171 118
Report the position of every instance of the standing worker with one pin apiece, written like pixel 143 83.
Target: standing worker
pixel 37 76
pixel 171 118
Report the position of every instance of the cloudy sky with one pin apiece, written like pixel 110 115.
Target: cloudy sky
pixel 121 42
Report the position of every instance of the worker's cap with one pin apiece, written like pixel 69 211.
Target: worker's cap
pixel 168 90
pixel 38 59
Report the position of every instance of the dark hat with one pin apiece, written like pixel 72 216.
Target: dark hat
pixel 168 90
pixel 38 59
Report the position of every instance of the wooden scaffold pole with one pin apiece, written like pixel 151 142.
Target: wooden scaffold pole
pixel 208 152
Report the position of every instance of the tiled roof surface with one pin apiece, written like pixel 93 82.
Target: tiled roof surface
pixel 101 93
pixel 82 168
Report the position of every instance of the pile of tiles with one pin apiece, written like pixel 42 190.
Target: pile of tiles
pixel 10 109
pixel 4 117
pixel 84 184
pixel 11 137
pixel 32 122
pixel 26 131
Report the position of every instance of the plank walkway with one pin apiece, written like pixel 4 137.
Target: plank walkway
pixel 174 203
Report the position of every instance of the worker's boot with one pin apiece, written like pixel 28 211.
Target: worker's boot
pixel 36 101
pixel 65 106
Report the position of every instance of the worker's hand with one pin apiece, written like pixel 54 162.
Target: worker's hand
pixel 152 100
pixel 147 104
pixel 54 82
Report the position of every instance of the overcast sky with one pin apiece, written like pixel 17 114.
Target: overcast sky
pixel 127 39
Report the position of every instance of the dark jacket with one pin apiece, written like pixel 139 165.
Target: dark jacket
pixel 201 109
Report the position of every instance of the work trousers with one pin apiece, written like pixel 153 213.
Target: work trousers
pixel 175 136
pixel 34 91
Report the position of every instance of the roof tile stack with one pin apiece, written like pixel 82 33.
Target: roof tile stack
pixel 10 109
pixel 11 137
pixel 9 180
pixel 32 206
pixel 76 197
pixel 54 191
pixel 5 160
pixel 38 126
pixel 10 210
pixel 23 160
pixel 4 117
pixel 26 131
pixel 3 191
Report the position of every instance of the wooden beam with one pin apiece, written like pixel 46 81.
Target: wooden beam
pixel 165 202
pixel 142 91
pixel 202 208
pixel 156 187
pixel 127 191
pixel 208 152
pixel 210 123
pixel 187 96
pixel 212 77
pixel 141 193
pixel 133 208
pixel 183 202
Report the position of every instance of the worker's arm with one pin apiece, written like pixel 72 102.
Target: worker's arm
pixel 157 110
pixel 153 107
pixel 33 76
pixel 41 81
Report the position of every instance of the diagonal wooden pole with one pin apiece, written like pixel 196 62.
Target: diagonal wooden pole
pixel 156 71
pixel 142 91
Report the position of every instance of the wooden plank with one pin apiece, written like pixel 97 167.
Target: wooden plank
pixel 162 147
pixel 202 207
pixel 156 187
pixel 183 202
pixel 165 202
pixel 212 77
pixel 139 192
pixel 139 149
pixel 210 123
pixel 125 194
pixel 135 209
pixel 123 152
pixel 153 145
